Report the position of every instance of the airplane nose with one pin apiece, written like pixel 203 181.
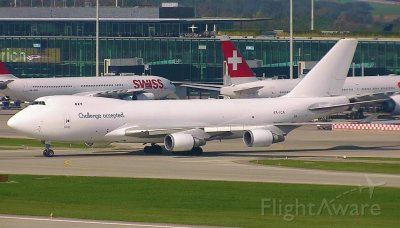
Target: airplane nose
pixel 20 122
pixel 14 122
pixel 27 121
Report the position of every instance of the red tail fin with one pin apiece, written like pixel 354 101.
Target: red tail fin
pixel 4 69
pixel 237 66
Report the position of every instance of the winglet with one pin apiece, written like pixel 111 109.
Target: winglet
pixel 236 64
pixel 328 76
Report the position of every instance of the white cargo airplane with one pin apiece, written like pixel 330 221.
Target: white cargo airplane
pixel 186 125
pixel 244 84
pixel 122 87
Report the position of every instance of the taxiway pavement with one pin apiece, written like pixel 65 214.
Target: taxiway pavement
pixel 11 221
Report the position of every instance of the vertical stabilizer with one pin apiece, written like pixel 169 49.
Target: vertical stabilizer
pixel 328 76
pixel 5 72
pixel 238 70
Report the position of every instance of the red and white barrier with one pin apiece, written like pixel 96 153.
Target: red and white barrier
pixel 377 127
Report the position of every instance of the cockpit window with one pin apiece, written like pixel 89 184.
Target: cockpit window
pixel 38 103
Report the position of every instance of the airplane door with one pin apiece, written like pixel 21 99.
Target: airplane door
pixel 26 87
pixel 67 121
pixel 298 116
pixel 358 89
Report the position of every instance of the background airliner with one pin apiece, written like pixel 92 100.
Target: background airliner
pixel 122 87
pixel 186 125
pixel 242 82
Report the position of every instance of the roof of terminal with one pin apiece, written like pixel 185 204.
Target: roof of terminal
pixel 134 14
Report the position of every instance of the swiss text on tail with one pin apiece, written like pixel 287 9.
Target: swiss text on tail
pixel 328 76
pixel 238 69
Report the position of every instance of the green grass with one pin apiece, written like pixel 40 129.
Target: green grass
pixel 21 142
pixel 368 167
pixel 195 202
pixel 384 9
pixel 374 159
pixel 379 8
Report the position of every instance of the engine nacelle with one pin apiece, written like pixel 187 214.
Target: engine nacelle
pixel 393 105
pixel 182 142
pixel 261 137
pixel 142 96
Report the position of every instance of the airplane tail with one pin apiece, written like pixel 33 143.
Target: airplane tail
pixel 5 73
pixel 328 76
pixel 238 70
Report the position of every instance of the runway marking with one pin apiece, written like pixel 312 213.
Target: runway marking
pixel 67 163
pixel 89 222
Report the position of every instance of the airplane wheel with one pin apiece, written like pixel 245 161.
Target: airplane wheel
pixel 157 149
pixel 147 149
pixel 50 153
pixel 197 151
pixel 154 149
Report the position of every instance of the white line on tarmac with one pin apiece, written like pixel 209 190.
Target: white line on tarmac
pixel 88 222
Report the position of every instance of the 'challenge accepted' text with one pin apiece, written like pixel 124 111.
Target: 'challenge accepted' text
pixel 99 116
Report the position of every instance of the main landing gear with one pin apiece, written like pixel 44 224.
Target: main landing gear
pixel 196 151
pixel 48 152
pixel 156 149
pixel 153 149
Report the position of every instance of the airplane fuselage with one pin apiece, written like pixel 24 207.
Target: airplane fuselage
pixel 90 119
pixel 275 88
pixel 30 89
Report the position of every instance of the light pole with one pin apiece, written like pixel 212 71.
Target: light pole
pixel 97 38
pixel 312 15
pixel 291 40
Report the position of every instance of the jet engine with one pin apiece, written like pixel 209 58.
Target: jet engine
pixel 142 96
pixel 182 142
pixel 393 105
pixel 261 137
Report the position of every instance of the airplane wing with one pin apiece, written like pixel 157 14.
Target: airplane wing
pixel 213 132
pixel 328 107
pixel 139 132
pixel 206 133
pixel 372 96
pixel 112 93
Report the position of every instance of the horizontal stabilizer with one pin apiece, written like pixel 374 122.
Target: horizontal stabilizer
pixel 3 85
pixel 243 90
pixel 200 86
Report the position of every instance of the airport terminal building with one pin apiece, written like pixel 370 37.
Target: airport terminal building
pixel 168 41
